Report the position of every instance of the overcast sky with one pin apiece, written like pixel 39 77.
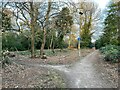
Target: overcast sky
pixel 102 3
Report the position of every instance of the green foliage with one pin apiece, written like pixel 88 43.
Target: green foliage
pixel 86 41
pixel 86 36
pixel 12 41
pixel 25 53
pixel 111 29
pixel 9 41
pixel 63 24
pixel 111 53
pixel 38 39
pixel 47 52
pixel 64 20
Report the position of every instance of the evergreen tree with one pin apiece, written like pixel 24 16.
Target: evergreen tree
pixel 64 22
pixel 111 28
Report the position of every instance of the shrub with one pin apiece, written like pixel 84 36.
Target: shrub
pixel 5 58
pixel 111 53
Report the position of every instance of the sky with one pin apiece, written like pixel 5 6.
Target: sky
pixel 102 3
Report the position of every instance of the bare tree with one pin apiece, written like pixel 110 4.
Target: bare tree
pixel 27 13
pixel 88 20
pixel 44 28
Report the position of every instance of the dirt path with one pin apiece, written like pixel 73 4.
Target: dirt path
pixel 83 74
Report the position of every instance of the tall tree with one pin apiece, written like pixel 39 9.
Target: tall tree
pixel 44 28
pixel 27 13
pixel 64 22
pixel 88 21
pixel 111 29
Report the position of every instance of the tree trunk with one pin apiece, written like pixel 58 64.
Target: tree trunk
pixel 53 48
pixel 44 30
pixel 32 30
pixel 43 43
pixel 51 42
pixel 32 42
pixel 69 46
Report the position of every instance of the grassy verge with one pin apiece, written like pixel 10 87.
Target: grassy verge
pixel 47 52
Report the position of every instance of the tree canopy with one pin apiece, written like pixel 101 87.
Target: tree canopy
pixel 111 29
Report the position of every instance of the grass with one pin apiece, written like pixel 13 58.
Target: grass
pixel 25 53
pixel 47 52
pixel 57 51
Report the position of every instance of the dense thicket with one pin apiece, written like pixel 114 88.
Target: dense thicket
pixel 13 41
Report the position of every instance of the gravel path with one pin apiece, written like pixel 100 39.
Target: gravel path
pixel 84 73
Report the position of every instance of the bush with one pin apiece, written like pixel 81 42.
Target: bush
pixel 111 53
pixel 13 41
pixel 5 58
